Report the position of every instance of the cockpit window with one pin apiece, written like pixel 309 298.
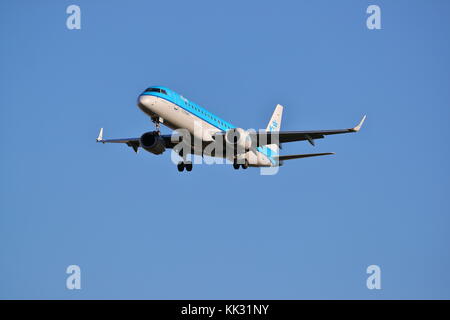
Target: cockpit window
pixel 156 90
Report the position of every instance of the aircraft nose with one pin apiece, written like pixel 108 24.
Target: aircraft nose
pixel 143 99
pixel 147 103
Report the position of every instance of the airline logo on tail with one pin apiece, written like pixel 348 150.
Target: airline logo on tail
pixel 273 126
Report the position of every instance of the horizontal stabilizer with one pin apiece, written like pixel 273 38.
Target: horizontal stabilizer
pixel 299 156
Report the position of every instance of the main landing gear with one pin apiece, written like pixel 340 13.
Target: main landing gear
pixel 184 165
pixel 244 165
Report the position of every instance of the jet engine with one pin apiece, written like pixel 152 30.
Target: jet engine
pixel 152 142
pixel 239 138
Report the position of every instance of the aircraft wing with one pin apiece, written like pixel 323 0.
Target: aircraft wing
pixel 134 142
pixel 290 136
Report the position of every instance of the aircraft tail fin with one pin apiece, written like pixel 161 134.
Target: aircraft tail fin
pixel 275 122
pixel 275 125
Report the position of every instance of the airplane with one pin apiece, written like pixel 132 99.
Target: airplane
pixel 249 148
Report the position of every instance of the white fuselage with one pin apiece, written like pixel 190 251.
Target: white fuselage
pixel 175 117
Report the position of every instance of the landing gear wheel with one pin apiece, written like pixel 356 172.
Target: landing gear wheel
pixel 184 165
pixel 245 164
pixel 235 165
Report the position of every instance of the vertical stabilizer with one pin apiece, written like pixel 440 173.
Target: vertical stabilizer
pixel 275 122
pixel 275 125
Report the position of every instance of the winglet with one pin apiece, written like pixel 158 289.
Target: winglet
pixel 100 135
pixel 358 127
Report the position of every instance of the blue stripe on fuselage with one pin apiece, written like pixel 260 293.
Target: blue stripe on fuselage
pixel 193 108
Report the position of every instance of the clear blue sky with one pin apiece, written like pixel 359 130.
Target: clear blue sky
pixel 139 229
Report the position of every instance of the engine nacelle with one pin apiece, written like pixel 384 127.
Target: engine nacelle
pixel 152 142
pixel 239 138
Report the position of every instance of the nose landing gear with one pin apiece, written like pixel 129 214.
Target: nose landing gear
pixel 157 121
